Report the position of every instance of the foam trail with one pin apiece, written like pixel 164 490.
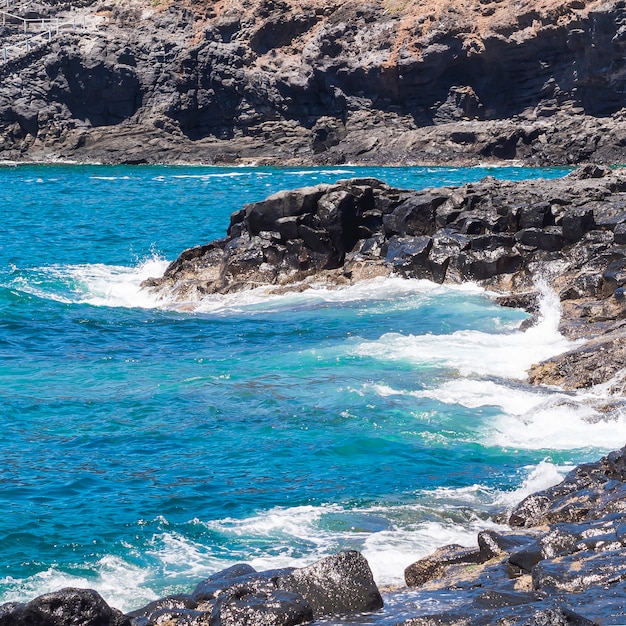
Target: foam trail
pixel 531 418
pixel 391 537
pixel 95 284
pixel 477 392
pixel 559 425
pixel 488 365
pixel 120 286
pixel 477 353
pixel 321 172
pixel 394 292
pixel 212 175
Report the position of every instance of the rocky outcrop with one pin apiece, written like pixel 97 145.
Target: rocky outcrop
pixel 320 82
pixel 337 586
pixel 563 563
pixel 566 232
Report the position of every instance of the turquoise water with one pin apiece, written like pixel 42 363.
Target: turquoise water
pixel 144 447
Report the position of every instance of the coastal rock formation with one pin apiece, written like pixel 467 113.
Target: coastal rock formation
pixel 338 585
pixel 566 232
pixel 315 81
pixel 563 563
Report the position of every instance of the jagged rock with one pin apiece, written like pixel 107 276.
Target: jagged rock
pixel 484 264
pixel 549 238
pixel 78 607
pixel 414 217
pixel 409 256
pixel 585 493
pixel 436 565
pixel 174 616
pixel 578 572
pixel 585 366
pixel 241 596
pixel 214 585
pixel 570 572
pixel 576 222
pixel 273 608
pixel 335 585
pixel 494 544
pixel 168 603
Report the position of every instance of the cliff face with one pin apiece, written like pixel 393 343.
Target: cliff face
pixel 306 80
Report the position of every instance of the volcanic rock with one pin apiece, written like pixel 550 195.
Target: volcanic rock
pixel 312 81
pixel 509 235
pixel 240 596
pixel 78 607
pixel 567 568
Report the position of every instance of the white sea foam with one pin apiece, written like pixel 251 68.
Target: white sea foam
pixel 320 172
pixel 471 352
pixel 111 178
pixel 559 424
pixel 530 417
pixel 487 366
pixel 121 584
pixel 398 292
pixel 538 478
pixel 391 537
pixel 95 284
pixel 214 175
pixel 180 559
pixel 477 353
pixel 118 286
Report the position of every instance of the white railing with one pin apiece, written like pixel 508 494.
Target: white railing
pixel 41 22
pixel 34 32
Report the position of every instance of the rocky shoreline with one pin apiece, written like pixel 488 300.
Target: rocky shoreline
pixel 569 234
pixel 562 561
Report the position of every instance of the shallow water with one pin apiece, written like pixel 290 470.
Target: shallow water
pixel 145 447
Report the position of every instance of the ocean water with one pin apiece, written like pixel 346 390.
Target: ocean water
pixel 145 447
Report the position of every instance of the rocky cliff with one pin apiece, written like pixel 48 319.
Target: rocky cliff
pixel 319 81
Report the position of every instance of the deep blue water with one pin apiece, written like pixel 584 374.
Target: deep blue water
pixel 145 447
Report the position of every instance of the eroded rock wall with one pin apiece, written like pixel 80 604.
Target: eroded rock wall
pixel 306 80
